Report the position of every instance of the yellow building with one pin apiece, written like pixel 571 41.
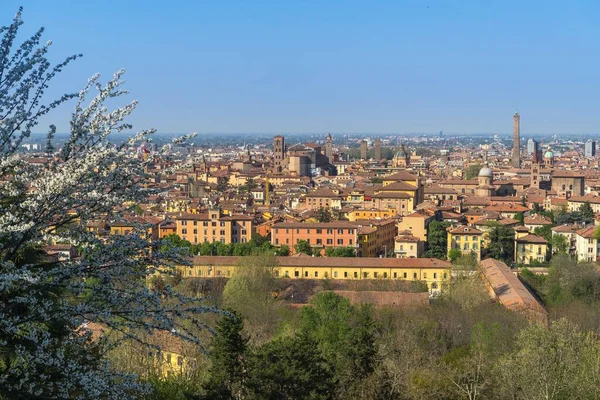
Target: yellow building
pixel 408 246
pixel 416 223
pixel 466 239
pixel 362 214
pixel 530 248
pixel 435 273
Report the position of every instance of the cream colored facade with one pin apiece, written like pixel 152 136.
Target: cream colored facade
pixel 435 273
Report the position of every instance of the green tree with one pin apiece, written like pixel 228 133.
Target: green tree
pixel 520 216
pixel 587 213
pixel 560 244
pixel 346 336
pixel 346 251
pixel 473 171
pixel 437 240
pixel 546 363
pixel 222 184
pixel 324 215
pixel 228 357
pixel 249 186
pixel 290 368
pixel 501 244
pixel 283 250
pixel 250 293
pixel 303 247
pixel 453 255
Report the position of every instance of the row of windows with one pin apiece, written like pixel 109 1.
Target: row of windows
pixel 219 273
pixel 214 239
pixel 364 274
pixel 205 223
pixel 318 231
pixel 474 237
pixel 221 232
pixel 340 242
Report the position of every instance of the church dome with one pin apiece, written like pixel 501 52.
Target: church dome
pixel 400 154
pixel 549 154
pixel 486 172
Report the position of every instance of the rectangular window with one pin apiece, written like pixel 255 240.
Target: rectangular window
pixel 435 275
pixel 340 241
pixel 184 231
pixel 345 274
pixel 414 275
pixel 375 274
pixel 405 275
pixel 316 274
pixel 385 274
pixel 356 274
pixel 319 231
pixel 329 231
pixel 335 274
pixel 184 223
pixel 329 241
pixel 195 223
pixel 365 274
pixel 296 273
pixel 395 274
pixel 306 274
pixel 287 274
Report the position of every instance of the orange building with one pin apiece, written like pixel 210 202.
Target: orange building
pixel 369 238
pixel 214 227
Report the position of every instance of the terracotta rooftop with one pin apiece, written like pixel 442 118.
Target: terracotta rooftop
pixel 508 289
pixel 531 238
pixel 465 230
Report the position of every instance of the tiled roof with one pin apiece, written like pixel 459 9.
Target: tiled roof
pixel 509 290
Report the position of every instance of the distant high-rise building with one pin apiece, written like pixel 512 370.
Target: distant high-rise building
pixel 441 133
pixel 531 143
pixel 278 152
pixel 363 150
pixel 329 147
pixel 377 149
pixel 516 151
pixel 590 149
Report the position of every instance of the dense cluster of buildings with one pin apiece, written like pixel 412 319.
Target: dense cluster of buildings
pixel 374 196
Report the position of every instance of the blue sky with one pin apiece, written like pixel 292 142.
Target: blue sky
pixel 314 66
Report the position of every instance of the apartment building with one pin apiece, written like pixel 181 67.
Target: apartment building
pixel 214 227
pixel 586 244
pixel 466 239
pixel 370 238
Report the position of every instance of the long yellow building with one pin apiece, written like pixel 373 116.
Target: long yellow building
pixel 435 273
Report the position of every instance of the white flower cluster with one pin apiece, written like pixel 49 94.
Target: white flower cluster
pixel 44 303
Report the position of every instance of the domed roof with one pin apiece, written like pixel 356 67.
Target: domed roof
pixel 486 172
pixel 400 154
pixel 549 154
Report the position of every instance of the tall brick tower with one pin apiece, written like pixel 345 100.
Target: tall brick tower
pixel 329 147
pixel 377 149
pixel 516 152
pixel 278 152
pixel 363 150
